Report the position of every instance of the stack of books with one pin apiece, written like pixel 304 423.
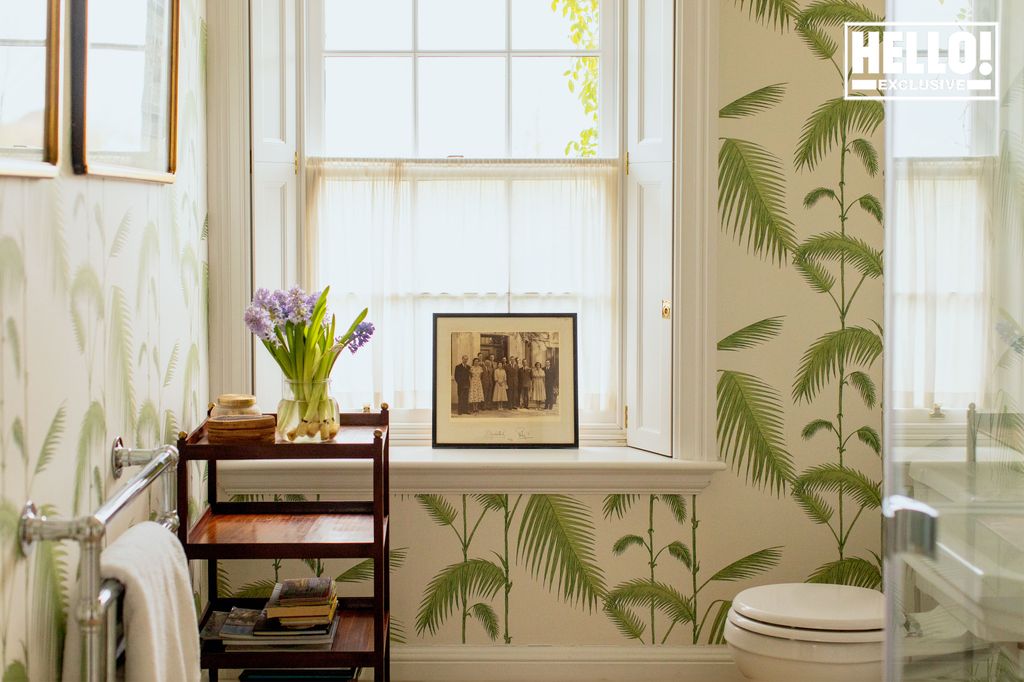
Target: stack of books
pixel 303 603
pixel 301 614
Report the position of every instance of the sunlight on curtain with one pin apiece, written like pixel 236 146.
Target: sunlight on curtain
pixel 940 220
pixel 409 238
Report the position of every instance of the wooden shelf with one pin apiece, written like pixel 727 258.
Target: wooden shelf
pixel 297 529
pixel 352 442
pixel 282 536
pixel 352 646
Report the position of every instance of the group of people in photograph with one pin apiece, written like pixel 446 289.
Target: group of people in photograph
pixel 505 384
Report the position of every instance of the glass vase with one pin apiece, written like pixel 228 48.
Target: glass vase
pixel 307 413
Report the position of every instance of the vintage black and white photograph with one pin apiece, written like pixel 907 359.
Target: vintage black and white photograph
pixel 505 380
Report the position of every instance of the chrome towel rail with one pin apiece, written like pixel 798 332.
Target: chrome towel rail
pixel 95 594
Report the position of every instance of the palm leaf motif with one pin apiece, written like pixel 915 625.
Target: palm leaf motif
pixel 617 505
pixel 772 13
pixel 752 335
pixel 754 102
pixel 627 541
pixel 170 427
pixel 869 436
pixel 833 246
pixel 816 426
pixel 189 275
pixel 680 552
pixel 835 13
pixel 556 539
pixel 626 622
pixel 825 128
pixel 14 345
pixel 147 424
pixel 172 365
pixel 749 415
pixel 866 152
pixel 12 267
pixel 91 437
pixel 149 257
pixel 440 509
pixel 120 354
pixel 677 505
pixel 850 570
pixel 812 22
pixel 48 615
pixel 86 302
pixel 15 672
pixel 833 477
pixel 53 434
pixel 814 505
pixel 865 385
pixel 363 570
pixel 751 199
pixel 817 194
pixel 488 619
pixel 717 633
pixel 258 589
pixel 18 436
pixel 872 206
pixel 477 577
pixel 190 378
pixel 58 244
pixel 749 566
pixel 641 593
pixel 121 234
pixel 492 502
pixel 814 273
pixel 821 362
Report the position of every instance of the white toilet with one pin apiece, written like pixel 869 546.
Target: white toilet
pixel 804 632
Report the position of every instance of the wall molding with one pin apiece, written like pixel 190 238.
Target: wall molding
pixel 562 664
pixel 413 470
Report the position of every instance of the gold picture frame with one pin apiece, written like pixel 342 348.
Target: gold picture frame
pixel 129 165
pixel 47 166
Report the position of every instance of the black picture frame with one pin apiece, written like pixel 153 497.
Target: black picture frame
pixel 556 426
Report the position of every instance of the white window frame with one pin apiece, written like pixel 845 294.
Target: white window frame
pixel 608 52
pixel 693 370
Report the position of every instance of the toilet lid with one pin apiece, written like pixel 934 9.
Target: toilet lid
pixel 804 634
pixel 813 606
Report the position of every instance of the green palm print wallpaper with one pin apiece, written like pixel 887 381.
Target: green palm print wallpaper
pixel 103 333
pixel 798 397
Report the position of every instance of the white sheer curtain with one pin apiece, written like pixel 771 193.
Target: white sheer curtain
pixel 940 219
pixel 409 238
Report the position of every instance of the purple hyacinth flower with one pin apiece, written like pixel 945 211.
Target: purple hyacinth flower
pixel 257 319
pixel 360 336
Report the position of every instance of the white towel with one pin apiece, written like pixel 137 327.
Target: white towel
pixel 161 636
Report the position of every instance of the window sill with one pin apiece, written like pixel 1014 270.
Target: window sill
pixel 595 470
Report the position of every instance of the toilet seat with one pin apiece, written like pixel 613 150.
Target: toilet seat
pixel 805 634
pixel 815 607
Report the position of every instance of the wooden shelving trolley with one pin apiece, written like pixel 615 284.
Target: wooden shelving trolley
pixel 297 530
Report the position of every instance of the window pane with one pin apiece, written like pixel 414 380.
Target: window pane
pixel 549 119
pixel 944 129
pixel 461 24
pixel 363 25
pixel 538 26
pixel 368 106
pixel 22 82
pixel 121 22
pixel 114 94
pixel 462 106
pixel 23 20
